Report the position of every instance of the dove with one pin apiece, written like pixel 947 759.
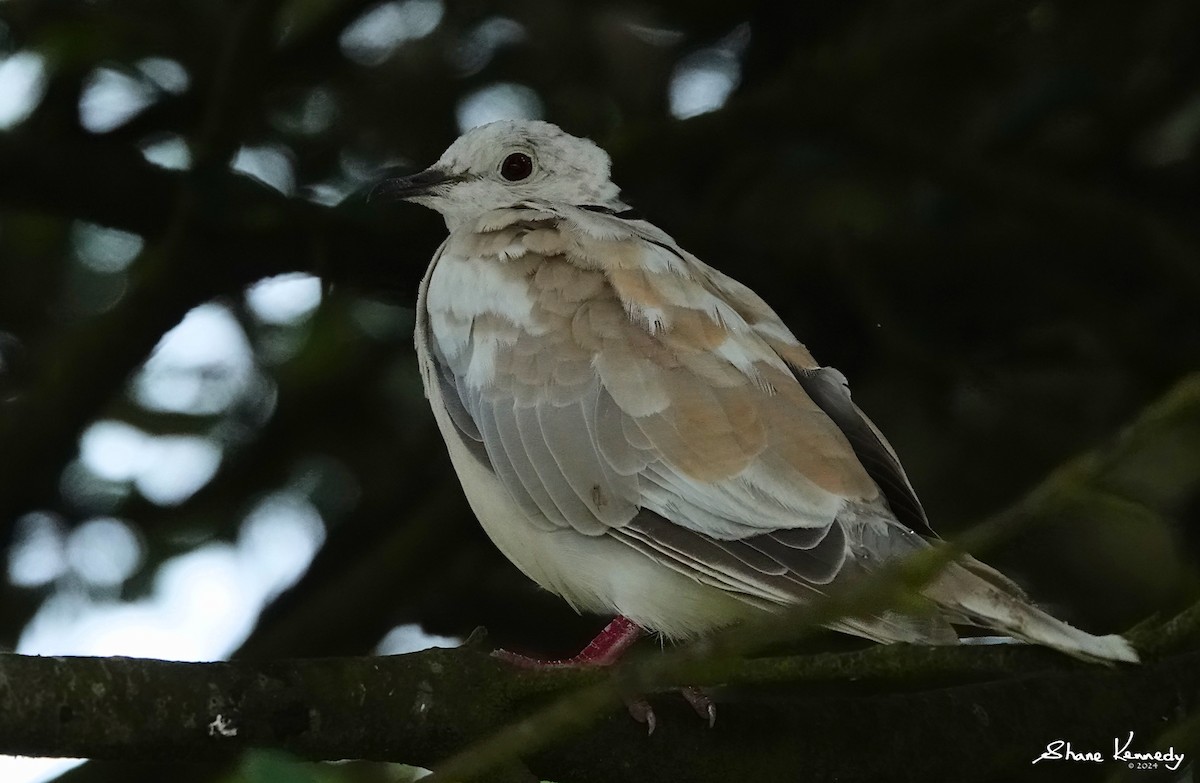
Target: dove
pixel 642 435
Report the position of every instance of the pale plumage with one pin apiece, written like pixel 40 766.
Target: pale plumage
pixel 640 433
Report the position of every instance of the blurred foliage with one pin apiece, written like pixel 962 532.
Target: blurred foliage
pixel 984 213
pixel 264 766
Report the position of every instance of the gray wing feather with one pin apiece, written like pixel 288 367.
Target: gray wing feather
pixel 603 493
pixel 522 423
pixel 454 392
pixel 696 569
pixel 753 557
pixel 608 432
pixel 828 388
pixel 802 537
pixel 508 459
pixel 699 557
pixel 819 564
pixel 758 565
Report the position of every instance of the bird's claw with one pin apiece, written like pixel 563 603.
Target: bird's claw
pixel 478 638
pixel 643 713
pixel 700 702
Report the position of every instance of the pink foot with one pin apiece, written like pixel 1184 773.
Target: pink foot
pixel 617 637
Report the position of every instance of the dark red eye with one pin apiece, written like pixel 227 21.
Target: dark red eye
pixel 516 166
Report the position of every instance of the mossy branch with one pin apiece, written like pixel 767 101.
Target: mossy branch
pixel 1004 702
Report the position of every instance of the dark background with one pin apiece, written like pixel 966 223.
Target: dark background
pixel 984 213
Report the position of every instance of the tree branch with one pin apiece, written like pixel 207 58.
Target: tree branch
pixel 861 714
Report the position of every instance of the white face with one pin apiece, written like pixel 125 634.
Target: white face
pixel 504 163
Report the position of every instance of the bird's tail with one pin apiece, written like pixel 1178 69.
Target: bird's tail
pixel 982 596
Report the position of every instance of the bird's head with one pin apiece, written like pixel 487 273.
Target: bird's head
pixel 504 163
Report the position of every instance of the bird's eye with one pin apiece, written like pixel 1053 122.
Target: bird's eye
pixel 516 167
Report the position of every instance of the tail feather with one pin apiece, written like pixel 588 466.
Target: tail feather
pixel 968 591
pixel 989 574
pixel 888 627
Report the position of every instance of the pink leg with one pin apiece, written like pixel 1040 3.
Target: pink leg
pixel 617 637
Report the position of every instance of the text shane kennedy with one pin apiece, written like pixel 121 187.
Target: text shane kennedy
pixel 1061 750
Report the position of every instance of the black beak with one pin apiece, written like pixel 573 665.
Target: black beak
pixel 400 188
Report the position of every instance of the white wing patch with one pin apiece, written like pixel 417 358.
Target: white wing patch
pixel 464 287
